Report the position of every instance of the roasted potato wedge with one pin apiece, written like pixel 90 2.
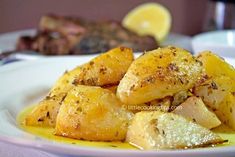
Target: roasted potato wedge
pixel 45 113
pixel 107 68
pixel 218 92
pixel 97 100
pixel 157 74
pixel 157 130
pixel 92 113
pixel 65 82
pixel 226 111
pixel 215 65
pixel 213 91
pixel 195 110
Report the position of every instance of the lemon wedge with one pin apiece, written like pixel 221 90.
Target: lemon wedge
pixel 149 19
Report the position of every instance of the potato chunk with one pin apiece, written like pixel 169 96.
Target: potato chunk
pixel 45 113
pixel 92 113
pixel 213 91
pixel 226 111
pixel 218 92
pixel 195 110
pixel 157 130
pixel 157 74
pixel 215 65
pixel 107 68
pixel 219 95
pixel 65 82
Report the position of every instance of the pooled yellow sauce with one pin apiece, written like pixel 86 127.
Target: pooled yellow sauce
pixel 48 133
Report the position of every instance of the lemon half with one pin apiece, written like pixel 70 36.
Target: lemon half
pixel 149 19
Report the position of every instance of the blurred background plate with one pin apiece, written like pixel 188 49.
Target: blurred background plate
pixel 8 40
pixel 220 42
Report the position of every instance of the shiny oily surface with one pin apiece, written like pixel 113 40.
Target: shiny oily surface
pixel 48 133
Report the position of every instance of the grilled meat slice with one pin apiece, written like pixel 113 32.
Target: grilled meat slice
pixel 102 36
pixel 25 43
pixel 69 35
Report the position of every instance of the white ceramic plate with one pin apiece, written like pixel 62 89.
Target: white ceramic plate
pixel 8 40
pixel 24 83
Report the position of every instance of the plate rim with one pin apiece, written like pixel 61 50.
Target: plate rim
pixel 70 149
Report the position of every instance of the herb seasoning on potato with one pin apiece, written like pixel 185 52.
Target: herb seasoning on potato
pixel 164 99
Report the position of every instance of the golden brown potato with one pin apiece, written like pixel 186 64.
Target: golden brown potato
pixel 92 113
pixel 218 92
pixel 213 91
pixel 157 130
pixel 45 113
pixel 107 68
pixel 226 111
pixel 65 82
pixel 179 98
pixel 195 110
pixel 157 74
pixel 215 65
